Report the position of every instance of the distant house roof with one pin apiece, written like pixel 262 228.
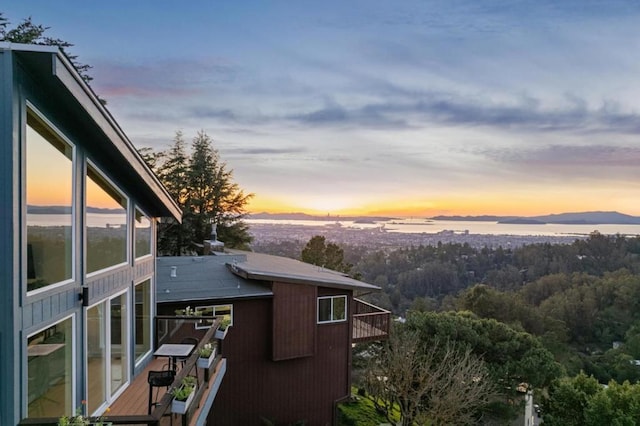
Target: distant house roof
pixel 239 274
pixel 58 78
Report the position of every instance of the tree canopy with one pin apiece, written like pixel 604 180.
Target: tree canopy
pixel 436 384
pixel 582 401
pixel 326 254
pixel 203 187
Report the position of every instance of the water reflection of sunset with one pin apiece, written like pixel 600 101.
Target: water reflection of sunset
pixel 49 173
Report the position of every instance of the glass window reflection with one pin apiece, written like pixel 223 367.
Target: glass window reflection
pixel 106 223
pixel 49 367
pixel 49 199
pixel 142 235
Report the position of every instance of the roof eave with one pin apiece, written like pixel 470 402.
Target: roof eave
pixel 297 279
pixel 64 71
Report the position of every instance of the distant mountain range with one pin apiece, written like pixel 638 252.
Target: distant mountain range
pixel 583 218
pixel 304 216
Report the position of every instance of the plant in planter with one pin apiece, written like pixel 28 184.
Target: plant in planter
pixel 79 419
pixel 207 353
pixel 221 332
pixel 183 395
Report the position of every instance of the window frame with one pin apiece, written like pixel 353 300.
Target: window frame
pixel 139 359
pixel 74 362
pixel 128 234
pixel 333 319
pixel 205 324
pixel 31 109
pixel 136 210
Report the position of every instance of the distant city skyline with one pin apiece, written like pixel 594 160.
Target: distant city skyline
pixel 372 107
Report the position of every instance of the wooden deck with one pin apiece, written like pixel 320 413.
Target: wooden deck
pixel 134 400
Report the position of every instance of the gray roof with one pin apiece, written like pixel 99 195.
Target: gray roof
pixel 203 278
pixel 240 274
pixel 109 146
pixel 260 266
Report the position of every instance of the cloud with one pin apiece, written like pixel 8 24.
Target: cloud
pixel 161 77
pixel 597 156
pixel 265 151
pixel 524 113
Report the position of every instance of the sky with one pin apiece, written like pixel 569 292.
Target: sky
pixel 396 108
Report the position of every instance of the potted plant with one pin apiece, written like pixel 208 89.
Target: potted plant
pixel 207 354
pixel 78 419
pixel 183 395
pixel 223 328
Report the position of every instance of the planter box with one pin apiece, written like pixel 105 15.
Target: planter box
pixel 220 334
pixel 206 362
pixel 181 407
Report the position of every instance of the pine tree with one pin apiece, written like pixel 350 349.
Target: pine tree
pixel 203 188
pixel 172 168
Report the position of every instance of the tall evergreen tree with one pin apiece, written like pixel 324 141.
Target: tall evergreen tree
pixel 203 188
pixel 172 168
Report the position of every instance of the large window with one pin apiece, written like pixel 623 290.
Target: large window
pixel 49 199
pixel 142 235
pixel 224 311
pixel 96 357
pixel 107 352
pixel 106 223
pixel 119 339
pixel 332 309
pixel 143 319
pixel 49 371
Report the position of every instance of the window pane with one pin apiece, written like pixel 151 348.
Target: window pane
pixel 143 318
pixel 324 309
pixel 205 311
pixel 49 195
pixel 224 311
pixel 49 371
pixel 339 308
pixel 106 224
pixel 143 235
pixel 118 343
pixel 96 357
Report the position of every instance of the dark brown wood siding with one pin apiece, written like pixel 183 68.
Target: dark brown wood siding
pixel 294 320
pixel 283 391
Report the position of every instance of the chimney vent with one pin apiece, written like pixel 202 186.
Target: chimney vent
pixel 174 271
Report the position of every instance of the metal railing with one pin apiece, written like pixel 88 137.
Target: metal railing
pixel 369 322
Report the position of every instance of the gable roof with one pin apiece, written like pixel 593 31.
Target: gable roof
pixel 57 76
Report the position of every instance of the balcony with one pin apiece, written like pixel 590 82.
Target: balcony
pixel 369 322
pixel 131 407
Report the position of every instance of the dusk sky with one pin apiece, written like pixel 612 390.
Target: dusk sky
pixel 413 108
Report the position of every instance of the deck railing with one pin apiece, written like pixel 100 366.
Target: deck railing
pixel 369 322
pixel 162 409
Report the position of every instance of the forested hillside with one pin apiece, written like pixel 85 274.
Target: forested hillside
pixel 580 298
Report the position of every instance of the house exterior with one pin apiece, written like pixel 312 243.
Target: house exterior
pixel 78 212
pixel 288 349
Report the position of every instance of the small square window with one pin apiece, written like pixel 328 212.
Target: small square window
pixel 332 309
